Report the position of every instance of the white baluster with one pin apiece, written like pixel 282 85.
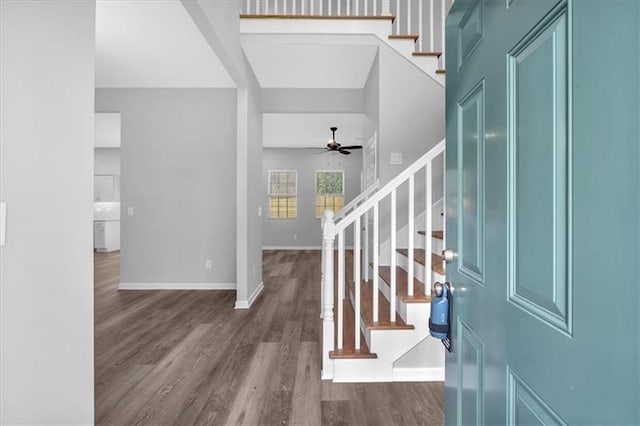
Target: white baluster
pixel 356 278
pixel 328 326
pixel 411 239
pixel 444 201
pixel 409 16
pixel 284 6
pixel 348 7
pixel 375 7
pixel 293 6
pixel 376 260
pixel 392 299
pixel 386 7
pixel 420 25
pixel 357 7
pixel 311 7
pixel 442 28
pixel 339 7
pixel 366 7
pixel 428 228
pixel 341 292
pixel 266 7
pixel 330 9
pixel 365 262
pixel 322 255
pixel 432 22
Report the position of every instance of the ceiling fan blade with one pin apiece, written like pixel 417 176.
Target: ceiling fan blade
pixel 343 151
pixel 352 147
pixel 323 151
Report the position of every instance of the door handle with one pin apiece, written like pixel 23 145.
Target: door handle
pixel 449 255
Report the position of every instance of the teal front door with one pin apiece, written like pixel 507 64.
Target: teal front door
pixel 542 211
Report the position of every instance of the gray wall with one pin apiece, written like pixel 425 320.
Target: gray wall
pixel 107 161
pixel 280 232
pixel 219 22
pixel 178 173
pixel 46 267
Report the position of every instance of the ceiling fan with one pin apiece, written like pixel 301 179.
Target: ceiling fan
pixel 333 145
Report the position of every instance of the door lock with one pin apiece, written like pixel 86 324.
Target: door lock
pixel 449 255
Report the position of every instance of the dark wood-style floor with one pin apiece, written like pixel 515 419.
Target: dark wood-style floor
pixel 187 357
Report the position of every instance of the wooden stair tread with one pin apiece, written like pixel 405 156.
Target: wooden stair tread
pixel 348 348
pixel 434 234
pixel 419 256
pixel 436 54
pixel 402 290
pixel 440 71
pixel 413 37
pixel 384 310
pixel 280 16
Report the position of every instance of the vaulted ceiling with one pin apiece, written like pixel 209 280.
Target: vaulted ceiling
pixel 153 44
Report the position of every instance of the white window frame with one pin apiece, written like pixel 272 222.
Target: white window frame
pixel 270 194
pixel 315 187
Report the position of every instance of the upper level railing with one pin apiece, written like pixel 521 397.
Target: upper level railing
pixel 332 230
pixel 424 18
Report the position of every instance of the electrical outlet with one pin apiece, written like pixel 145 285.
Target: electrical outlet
pixel 130 211
pixel 295 237
pixel 207 264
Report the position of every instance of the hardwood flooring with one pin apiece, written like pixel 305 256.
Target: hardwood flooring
pixel 188 357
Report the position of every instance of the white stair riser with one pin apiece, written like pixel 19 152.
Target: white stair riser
pixel 393 343
pixel 428 64
pixel 404 47
pixel 419 271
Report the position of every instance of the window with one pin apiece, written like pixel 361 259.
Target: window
pixel 329 191
pixel 283 191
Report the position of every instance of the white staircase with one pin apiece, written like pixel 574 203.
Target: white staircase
pixel 375 295
pixel 369 325
pixel 415 29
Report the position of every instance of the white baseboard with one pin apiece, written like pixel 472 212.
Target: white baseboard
pixel 177 286
pixel 418 374
pixel 292 248
pixel 246 304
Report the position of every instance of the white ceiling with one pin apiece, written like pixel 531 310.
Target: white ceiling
pixel 147 43
pixel 310 130
pixel 312 66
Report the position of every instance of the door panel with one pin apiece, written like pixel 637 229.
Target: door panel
pixel 543 208
pixel 471 183
pixel 538 114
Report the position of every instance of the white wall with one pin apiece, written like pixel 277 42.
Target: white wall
pixel 372 101
pixel 280 232
pixel 46 268
pixel 312 100
pixel 178 173
pixel 411 122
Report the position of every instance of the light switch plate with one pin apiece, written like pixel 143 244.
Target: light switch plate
pixel 396 158
pixel 130 211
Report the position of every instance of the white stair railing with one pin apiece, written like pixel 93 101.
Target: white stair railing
pixel 333 229
pixel 338 216
pixel 424 18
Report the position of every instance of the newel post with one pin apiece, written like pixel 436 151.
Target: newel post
pixel 328 328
